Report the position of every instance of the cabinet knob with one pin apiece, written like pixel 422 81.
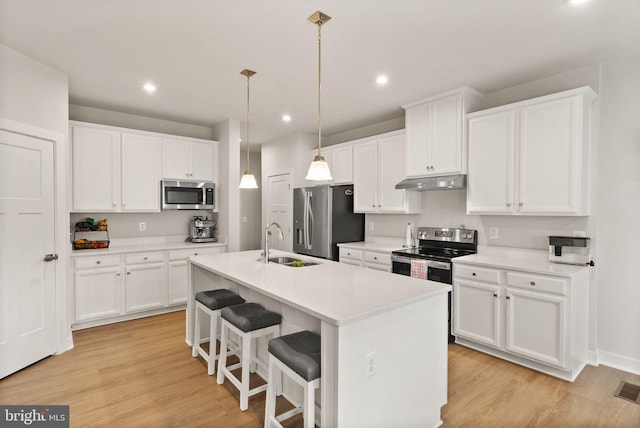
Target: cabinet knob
pixel 379 206
pixel 118 274
pixel 124 204
pixel 375 258
pixel 508 297
pixel 373 206
pixel 98 262
pixel 114 204
pixel 508 204
pixel 532 283
pixel 195 254
pixel 495 295
pixel 128 273
pixel 146 258
pixel 520 204
pixel 473 274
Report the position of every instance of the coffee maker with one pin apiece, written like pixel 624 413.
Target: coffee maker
pixel 202 230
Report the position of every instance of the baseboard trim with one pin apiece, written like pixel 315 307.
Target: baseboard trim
pixel 619 362
pixel 128 317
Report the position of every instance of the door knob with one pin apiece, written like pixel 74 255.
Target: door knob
pixel 50 257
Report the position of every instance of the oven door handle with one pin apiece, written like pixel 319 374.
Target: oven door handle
pixel 401 259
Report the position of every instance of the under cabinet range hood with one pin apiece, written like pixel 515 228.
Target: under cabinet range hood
pixel 443 182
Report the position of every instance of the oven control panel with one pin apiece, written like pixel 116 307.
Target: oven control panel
pixel 447 234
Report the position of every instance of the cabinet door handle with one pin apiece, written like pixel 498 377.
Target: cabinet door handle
pixel 50 257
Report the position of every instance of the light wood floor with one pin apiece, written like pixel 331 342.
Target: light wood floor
pixel 141 374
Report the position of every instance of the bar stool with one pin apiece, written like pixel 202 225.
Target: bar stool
pixel 249 321
pixel 298 356
pixel 211 303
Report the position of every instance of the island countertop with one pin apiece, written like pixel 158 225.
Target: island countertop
pixel 333 292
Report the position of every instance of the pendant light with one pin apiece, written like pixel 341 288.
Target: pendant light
pixel 319 169
pixel 248 181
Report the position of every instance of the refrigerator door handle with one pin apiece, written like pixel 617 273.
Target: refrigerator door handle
pixel 310 223
pixel 305 223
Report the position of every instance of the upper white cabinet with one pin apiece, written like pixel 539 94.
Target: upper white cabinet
pixel 119 169
pixel 187 159
pixel 436 133
pixel 340 160
pixel 378 165
pixel 531 157
pixel 115 171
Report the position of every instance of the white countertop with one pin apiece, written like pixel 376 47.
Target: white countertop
pixel 138 245
pixel 532 261
pixel 336 293
pixel 382 246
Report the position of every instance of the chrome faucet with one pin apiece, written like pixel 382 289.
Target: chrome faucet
pixel 267 234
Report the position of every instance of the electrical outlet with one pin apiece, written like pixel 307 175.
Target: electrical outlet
pixel 370 361
pixel 244 219
pixel 370 225
pixel 494 233
pixel 142 226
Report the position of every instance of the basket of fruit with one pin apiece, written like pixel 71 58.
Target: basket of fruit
pixel 86 244
pixel 90 235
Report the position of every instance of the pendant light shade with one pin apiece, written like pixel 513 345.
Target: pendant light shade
pixel 319 168
pixel 248 181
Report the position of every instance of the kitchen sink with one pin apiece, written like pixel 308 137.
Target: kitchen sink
pixel 289 261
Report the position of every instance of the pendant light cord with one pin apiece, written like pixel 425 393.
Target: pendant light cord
pixel 319 87
pixel 248 127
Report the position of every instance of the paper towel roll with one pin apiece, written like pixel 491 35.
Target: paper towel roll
pixel 408 240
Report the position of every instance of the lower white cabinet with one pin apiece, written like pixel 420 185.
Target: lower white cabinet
pixel 145 282
pixel 536 320
pixel 98 287
pixel 380 260
pixel 116 287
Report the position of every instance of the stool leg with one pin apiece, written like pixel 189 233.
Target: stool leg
pixel 270 406
pixel 196 333
pixel 222 361
pixel 213 337
pixel 246 366
pixel 309 405
pixel 254 356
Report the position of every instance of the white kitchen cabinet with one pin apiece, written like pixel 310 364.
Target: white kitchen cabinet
pixel 350 256
pixel 188 159
pixel 535 320
pixel 145 282
pixel 531 157
pixel 378 166
pixel 114 171
pixel 95 169
pixel 377 260
pixel 177 273
pixel 140 173
pixel 436 133
pixel 97 288
pixel 339 157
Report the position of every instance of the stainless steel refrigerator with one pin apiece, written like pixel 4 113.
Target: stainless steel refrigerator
pixel 322 218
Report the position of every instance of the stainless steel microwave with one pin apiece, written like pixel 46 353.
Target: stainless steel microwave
pixel 188 195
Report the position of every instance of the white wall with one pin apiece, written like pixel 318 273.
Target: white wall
pixel 618 237
pixel 35 96
pixel 251 205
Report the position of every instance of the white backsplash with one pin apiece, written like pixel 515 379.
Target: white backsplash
pixel 447 208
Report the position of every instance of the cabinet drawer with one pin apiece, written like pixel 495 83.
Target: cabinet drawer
pixel 183 254
pixel 97 261
pixel 144 258
pixel 380 258
pixel 479 274
pixel 537 283
pixel 348 253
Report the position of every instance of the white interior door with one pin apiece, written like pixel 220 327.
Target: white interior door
pixel 279 203
pixel 27 282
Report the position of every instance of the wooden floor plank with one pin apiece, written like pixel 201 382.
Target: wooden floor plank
pixel 141 373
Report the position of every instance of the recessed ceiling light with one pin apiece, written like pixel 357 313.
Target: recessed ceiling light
pixel 149 88
pixel 286 118
pixel 382 79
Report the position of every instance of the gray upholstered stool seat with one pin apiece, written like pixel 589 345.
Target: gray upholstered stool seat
pixel 210 303
pixel 300 351
pixel 218 299
pixel 296 355
pixel 248 321
pixel 250 316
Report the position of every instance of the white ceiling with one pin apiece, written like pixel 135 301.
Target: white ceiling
pixel 194 51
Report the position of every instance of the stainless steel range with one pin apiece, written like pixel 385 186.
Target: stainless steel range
pixel 436 247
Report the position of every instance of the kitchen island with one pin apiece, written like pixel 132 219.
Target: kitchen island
pixel 384 341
